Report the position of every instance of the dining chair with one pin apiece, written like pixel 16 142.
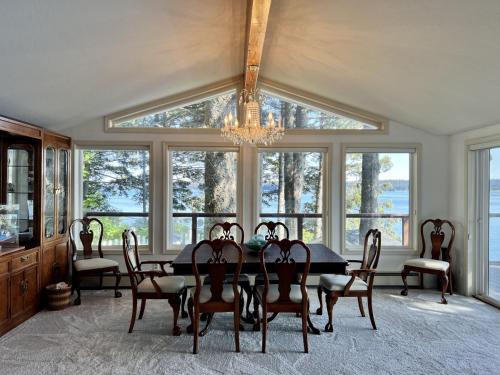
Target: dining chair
pixel 90 265
pixel 224 231
pixel 358 284
pixel 272 231
pixel 287 295
pixel 435 265
pixel 218 296
pixel 150 284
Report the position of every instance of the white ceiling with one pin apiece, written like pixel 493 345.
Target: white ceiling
pixel 431 64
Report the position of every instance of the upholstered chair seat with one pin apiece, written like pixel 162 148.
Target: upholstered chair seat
pixel 273 293
pixel 94 264
pixel 339 282
pixel 432 264
pixel 167 284
pixel 206 294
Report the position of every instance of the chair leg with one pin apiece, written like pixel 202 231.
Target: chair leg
pixel 256 315
pixel 319 311
pixel 361 309
pixel 76 285
pixel 143 306
pixel 134 313
pixel 444 286
pixel 248 291
pixel 421 280
pixel 117 283
pixel 237 329
pixel 264 327
pixel 370 310
pixel 404 275
pixel 196 329
pixel 190 327
pixel 450 283
pixel 272 317
pixel 330 301
pixel 175 302
pixel 184 313
pixel 101 277
pixel 204 331
pixel 304 327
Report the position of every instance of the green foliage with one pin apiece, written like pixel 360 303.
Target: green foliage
pixel 109 174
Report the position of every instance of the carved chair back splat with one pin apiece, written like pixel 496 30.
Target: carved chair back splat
pixel 272 227
pixel 225 230
pixel 86 236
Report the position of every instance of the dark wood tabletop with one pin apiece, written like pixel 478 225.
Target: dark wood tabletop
pixel 323 260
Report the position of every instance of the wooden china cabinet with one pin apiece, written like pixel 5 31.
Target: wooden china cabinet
pixel 34 192
pixel 56 154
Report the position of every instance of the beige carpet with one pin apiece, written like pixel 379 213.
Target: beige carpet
pixel 416 335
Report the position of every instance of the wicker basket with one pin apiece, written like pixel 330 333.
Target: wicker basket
pixel 58 299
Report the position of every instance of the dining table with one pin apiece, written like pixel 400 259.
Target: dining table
pixel 323 260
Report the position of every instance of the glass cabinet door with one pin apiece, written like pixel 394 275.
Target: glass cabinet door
pixel 62 190
pixel 20 191
pixel 49 180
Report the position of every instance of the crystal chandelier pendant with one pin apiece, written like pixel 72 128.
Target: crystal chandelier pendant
pixel 251 131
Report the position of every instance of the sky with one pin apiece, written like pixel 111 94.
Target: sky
pixel 400 167
pixel 495 163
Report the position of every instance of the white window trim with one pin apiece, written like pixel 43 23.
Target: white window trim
pixel 327 150
pixel 415 149
pixel 170 102
pixel 315 101
pixel 78 185
pixel 285 92
pixel 168 247
pixel 476 259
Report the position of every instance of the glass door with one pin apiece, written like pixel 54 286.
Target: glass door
pixel 20 190
pixel 50 189
pixel 486 189
pixel 492 283
pixel 62 192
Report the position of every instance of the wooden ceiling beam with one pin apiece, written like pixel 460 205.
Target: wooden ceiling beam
pixel 257 16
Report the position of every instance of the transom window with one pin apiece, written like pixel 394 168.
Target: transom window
pixel 379 193
pixel 205 108
pixel 206 113
pixel 203 191
pixel 291 191
pixel 297 115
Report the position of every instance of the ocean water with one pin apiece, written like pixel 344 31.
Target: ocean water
pixel 399 205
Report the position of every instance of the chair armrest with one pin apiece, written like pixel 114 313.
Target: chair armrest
pixel 354 261
pixel 151 274
pixel 354 273
pixel 362 270
pixel 161 263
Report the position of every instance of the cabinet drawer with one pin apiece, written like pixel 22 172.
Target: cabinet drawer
pixel 23 261
pixel 4 268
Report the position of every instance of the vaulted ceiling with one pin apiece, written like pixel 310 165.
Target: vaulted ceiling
pixel 431 64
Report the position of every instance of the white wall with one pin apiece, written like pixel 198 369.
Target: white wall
pixel 464 255
pixel 434 177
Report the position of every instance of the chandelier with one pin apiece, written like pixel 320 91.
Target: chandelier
pixel 250 130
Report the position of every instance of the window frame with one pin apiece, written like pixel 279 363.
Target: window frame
pixel 78 185
pixel 168 247
pixel 414 150
pixel 167 103
pixel 326 149
pixel 284 92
